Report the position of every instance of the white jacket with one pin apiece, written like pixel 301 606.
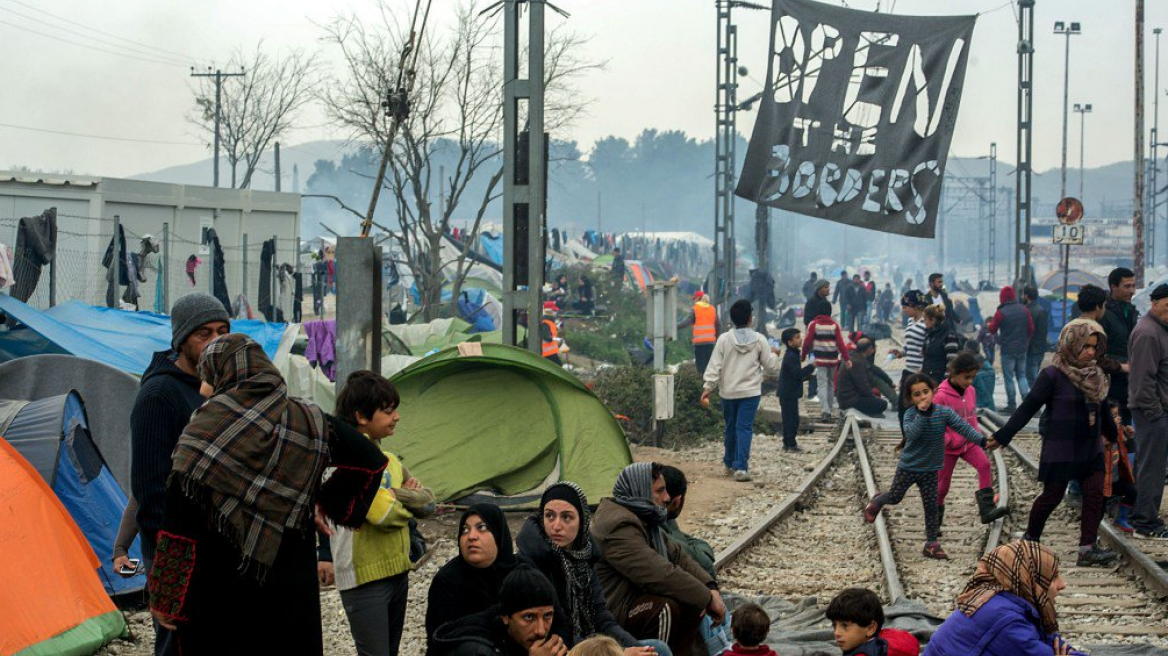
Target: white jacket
pixel 737 365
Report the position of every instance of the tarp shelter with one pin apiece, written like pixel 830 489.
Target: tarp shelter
pixel 638 275
pixel 53 436
pixel 52 601
pixel 504 423
pixel 480 309
pixel 122 339
pixel 110 393
pixel 1076 278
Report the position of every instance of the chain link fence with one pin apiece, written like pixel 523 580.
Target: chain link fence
pixel 79 270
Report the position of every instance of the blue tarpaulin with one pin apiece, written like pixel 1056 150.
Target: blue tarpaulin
pixel 492 246
pixel 120 338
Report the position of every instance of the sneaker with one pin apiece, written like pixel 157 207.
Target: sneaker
pixel 1158 533
pixel 1122 519
pixel 1096 557
pixel 793 449
pixel 871 511
pixel 742 476
pixel 814 399
pixel 727 472
pixel 934 550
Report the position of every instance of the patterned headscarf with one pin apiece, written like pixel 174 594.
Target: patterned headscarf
pixel 1023 568
pixel 634 490
pixel 576 561
pixel 251 455
pixel 1085 375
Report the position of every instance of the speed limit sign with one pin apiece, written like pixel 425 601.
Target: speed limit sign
pixel 1069 235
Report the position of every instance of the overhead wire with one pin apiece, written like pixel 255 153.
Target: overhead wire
pixel 99 136
pixel 180 55
pixel 89 46
pixel 83 35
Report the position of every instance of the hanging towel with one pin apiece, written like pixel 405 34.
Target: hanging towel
pixel 322 345
pixel 6 279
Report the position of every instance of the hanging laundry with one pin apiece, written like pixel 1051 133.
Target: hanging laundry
pixel 36 244
pixel 284 292
pixel 242 308
pixel 322 344
pixel 6 280
pixel 116 249
pixel 267 266
pixel 193 263
pixel 219 270
pixel 298 298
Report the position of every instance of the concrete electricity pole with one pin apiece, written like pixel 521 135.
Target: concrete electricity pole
pixel 1138 149
pixel 1082 111
pixel 218 75
pixel 1067 30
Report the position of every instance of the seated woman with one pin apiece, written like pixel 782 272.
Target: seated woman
pixel 1007 608
pixel 560 291
pixel 585 296
pixel 556 541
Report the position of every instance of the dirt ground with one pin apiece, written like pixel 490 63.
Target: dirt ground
pixel 708 488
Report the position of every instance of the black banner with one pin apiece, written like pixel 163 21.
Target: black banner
pixel 855 122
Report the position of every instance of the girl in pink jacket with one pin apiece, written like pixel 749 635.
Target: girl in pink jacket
pixel 957 392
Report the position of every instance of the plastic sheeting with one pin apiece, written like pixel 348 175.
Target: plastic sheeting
pixel 122 339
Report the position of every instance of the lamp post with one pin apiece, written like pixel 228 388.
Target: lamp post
pixel 1082 111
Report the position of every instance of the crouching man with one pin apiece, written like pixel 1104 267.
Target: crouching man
pixel 520 625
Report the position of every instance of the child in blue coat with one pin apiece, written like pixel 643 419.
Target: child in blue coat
pixel 1007 608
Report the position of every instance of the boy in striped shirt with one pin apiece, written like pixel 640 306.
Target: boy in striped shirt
pixel 913 305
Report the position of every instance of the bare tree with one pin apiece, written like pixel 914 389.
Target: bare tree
pixel 456 111
pixel 256 108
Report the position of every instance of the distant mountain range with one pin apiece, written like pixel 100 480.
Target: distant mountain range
pixel 302 157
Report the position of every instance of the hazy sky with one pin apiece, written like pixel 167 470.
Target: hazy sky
pixel 133 82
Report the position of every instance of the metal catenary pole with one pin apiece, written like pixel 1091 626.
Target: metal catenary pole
pixel 1022 191
pixel 1153 224
pixel 1067 30
pixel 243 288
pixel 115 264
pixel 165 268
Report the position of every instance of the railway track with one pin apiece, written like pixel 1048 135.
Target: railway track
pixel 1099 604
pixel 814 543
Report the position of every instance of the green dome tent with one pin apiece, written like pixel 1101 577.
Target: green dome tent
pixel 503 425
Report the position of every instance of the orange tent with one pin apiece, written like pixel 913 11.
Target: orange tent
pixel 51 600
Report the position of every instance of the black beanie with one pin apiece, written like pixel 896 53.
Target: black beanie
pixel 525 587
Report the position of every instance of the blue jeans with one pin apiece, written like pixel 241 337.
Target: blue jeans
pixel 1033 365
pixel 1014 368
pixel 739 417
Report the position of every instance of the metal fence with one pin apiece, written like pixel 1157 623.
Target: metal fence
pixel 79 271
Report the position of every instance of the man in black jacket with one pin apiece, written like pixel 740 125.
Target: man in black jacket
pixel 1119 320
pixel 791 377
pixel 521 625
pixel 856 385
pixel 169 394
pixel 1037 349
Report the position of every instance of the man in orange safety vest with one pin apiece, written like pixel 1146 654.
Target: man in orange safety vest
pixel 704 319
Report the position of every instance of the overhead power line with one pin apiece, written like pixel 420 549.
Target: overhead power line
pixel 181 55
pixel 89 46
pixel 100 136
pixel 141 51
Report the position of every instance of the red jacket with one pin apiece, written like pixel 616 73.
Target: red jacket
pixel 901 643
pixel 965 405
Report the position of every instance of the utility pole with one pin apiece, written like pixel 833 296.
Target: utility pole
pixel 1068 31
pixel 993 211
pixel 277 156
pixel 1138 148
pixel 1022 191
pixel 726 130
pixel 1153 226
pixel 599 224
pixel 218 75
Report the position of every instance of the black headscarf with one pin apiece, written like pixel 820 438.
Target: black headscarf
pixel 634 490
pixel 574 567
pixel 459 589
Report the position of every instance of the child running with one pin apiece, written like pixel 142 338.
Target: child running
pixel 923 425
pixel 957 392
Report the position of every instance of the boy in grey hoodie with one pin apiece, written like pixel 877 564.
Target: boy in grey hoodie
pixel 740 357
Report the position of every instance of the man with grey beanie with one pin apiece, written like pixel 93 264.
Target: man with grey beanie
pixel 168 395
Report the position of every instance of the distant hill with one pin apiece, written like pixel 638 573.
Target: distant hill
pixel 304 156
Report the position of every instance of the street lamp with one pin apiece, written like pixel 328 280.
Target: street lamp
pixel 1067 30
pixel 1082 111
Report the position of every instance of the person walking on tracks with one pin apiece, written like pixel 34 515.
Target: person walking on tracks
pixel 1073 389
pixel 704 319
pixel 1148 399
pixel 957 392
pixel 736 367
pixel 923 455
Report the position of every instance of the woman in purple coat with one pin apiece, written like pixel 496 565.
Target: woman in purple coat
pixel 1007 608
pixel 1072 392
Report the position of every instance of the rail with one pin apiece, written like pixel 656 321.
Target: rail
pixel 887 557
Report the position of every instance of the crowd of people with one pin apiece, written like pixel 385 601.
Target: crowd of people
pixel 241 523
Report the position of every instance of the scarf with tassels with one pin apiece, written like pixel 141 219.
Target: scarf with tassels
pixel 251 455
pixel 1084 373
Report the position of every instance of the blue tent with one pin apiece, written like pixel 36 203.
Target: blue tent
pixel 122 339
pixel 471 309
pixel 53 435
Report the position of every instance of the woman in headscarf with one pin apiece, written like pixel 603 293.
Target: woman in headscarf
pixel 1007 608
pixel 556 541
pixel 235 562
pixel 1072 393
pixel 651 586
